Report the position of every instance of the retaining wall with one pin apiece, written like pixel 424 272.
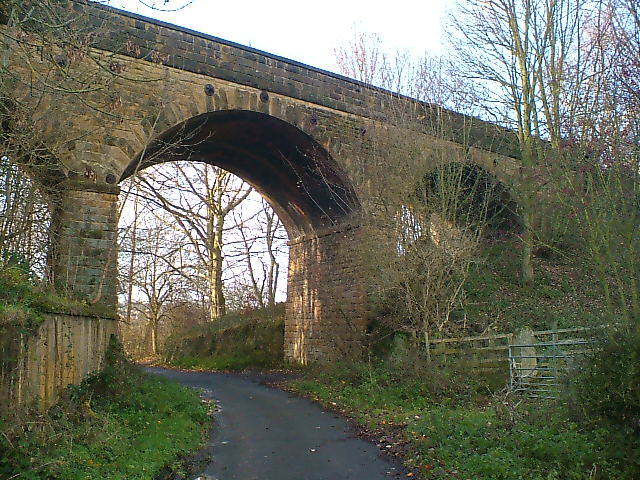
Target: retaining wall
pixel 37 366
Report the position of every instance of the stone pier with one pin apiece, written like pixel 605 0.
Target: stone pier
pixel 326 299
pixel 84 226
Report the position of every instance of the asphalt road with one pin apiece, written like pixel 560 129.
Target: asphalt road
pixel 262 433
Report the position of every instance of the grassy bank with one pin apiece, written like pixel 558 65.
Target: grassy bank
pixel 565 294
pixel 234 342
pixel 119 424
pixel 23 300
pixel 454 427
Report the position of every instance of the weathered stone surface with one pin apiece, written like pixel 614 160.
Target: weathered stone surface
pixel 326 296
pixel 38 366
pixel 84 245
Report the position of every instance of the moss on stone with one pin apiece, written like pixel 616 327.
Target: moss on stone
pixel 23 301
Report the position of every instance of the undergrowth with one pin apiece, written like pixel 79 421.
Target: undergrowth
pixel 462 426
pixel 118 424
pixel 24 299
pixel 234 342
pixel 607 381
pixel 565 293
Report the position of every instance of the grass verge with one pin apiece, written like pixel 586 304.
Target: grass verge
pixel 449 427
pixel 118 424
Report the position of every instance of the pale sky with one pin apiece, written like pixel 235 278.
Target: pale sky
pixel 308 31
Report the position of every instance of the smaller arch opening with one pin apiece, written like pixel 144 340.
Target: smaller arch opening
pixel 463 196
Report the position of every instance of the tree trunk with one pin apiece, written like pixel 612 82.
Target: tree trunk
pixel 216 292
pixel 527 254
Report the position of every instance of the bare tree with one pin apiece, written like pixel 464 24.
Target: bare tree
pixel 518 52
pixel 196 200
pixel 23 212
pixel 154 283
pixel 157 5
pixel 364 59
pixel 263 246
pixel 602 137
pixel 427 217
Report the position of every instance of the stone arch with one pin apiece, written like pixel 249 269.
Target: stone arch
pixel 306 187
pixel 315 201
pixel 483 196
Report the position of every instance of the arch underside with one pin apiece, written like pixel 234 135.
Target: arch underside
pixel 326 301
pixel 481 199
pixel 305 186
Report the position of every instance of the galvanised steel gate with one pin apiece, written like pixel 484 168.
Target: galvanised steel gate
pixel 538 369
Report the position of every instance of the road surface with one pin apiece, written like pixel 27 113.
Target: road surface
pixel 262 433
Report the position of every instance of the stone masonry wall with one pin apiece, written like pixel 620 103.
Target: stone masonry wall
pixel 84 228
pixel 170 74
pixel 199 53
pixel 38 366
pixel 326 301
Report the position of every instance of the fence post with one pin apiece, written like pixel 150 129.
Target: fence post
pixel 528 360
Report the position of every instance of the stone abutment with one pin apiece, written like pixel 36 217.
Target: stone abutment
pixel 37 366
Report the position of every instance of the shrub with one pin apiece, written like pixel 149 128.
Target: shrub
pixel 608 385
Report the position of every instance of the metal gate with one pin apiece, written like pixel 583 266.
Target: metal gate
pixel 538 369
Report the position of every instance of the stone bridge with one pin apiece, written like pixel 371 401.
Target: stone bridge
pixel 125 92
